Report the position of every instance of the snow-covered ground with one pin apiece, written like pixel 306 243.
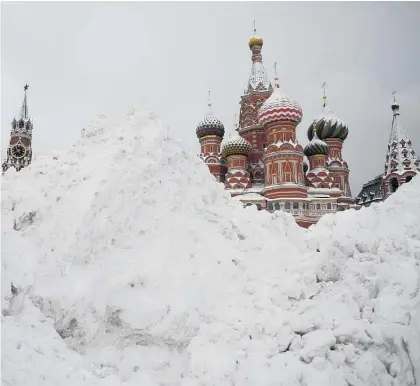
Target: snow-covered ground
pixel 125 263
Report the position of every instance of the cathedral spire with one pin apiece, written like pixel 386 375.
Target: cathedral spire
pixel 258 79
pixel 397 131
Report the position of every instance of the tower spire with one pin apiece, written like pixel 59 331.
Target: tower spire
pixel 24 113
pixel 258 80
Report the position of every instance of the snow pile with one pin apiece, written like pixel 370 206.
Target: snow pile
pixel 124 263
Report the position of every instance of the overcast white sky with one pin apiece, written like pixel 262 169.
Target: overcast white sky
pixel 82 59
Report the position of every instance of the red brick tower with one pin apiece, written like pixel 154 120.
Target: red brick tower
pixel 333 131
pixel 19 152
pixel 258 89
pixel 210 133
pixel 237 150
pixel 283 156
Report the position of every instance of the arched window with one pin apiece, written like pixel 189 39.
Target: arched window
pixel 270 206
pixel 259 206
pixel 21 124
pixel 328 206
pixel 295 205
pixel 277 206
pixel 318 206
pixel 287 206
pixel 393 184
pixel 408 178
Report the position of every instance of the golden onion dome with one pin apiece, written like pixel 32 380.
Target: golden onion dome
pixel 255 41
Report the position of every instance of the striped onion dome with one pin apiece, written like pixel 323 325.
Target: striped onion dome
pixel 210 125
pixel 328 125
pixel 236 145
pixel 279 107
pixel 316 146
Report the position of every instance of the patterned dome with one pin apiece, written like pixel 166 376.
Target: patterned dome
pixel 328 126
pixel 236 145
pixel 316 146
pixel 210 125
pixel 279 106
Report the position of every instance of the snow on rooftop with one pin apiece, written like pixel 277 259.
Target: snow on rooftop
pixel 118 268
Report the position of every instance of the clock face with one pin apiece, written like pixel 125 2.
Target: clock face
pixel 18 151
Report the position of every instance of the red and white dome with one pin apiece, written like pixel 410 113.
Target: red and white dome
pixel 279 107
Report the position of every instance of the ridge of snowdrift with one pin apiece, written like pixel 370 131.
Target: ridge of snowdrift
pixel 127 249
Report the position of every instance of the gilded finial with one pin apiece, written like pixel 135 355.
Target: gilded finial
pixel 276 79
pixel 324 87
pixel 209 101
pixel 25 88
pixel 255 29
pixel 235 122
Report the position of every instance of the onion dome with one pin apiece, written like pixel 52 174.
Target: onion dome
pixel 328 125
pixel 279 107
pixel 210 125
pixel 255 41
pixel 236 145
pixel 316 146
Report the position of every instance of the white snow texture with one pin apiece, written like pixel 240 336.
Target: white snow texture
pixel 125 263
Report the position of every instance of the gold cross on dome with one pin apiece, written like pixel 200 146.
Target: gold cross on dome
pixel 26 87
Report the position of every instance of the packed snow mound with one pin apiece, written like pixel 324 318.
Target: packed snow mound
pixel 125 263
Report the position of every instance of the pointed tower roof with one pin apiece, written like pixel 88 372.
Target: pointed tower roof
pixel 23 114
pixel 401 156
pixel 258 80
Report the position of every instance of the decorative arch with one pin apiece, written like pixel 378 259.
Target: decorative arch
pixel 286 146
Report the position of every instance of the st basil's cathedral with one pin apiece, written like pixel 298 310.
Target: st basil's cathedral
pixel 262 163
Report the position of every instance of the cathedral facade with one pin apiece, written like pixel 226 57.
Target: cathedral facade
pixel 262 163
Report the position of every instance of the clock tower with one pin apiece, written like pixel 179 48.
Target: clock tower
pixel 19 152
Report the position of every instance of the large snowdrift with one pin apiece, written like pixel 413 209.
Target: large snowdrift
pixel 125 263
